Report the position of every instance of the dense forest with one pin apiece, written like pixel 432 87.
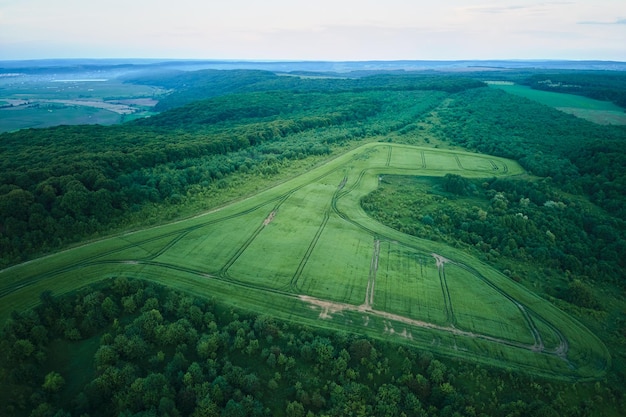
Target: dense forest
pixel 63 184
pixel 509 222
pixel 192 86
pixel 579 156
pixel 560 231
pixel 130 348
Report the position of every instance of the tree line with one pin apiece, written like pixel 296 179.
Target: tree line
pixel 580 156
pixel 198 85
pixel 599 85
pixel 507 221
pixel 63 184
pixel 139 349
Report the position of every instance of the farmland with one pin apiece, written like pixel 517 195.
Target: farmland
pixel 597 111
pixel 36 101
pixel 306 251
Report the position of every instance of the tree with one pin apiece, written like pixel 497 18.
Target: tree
pixel 294 409
pixel 22 349
pixel 105 356
pixel 387 400
pixel 109 308
pixel 53 382
pixel 456 184
pixel 436 371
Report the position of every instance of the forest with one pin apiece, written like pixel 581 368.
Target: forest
pixel 147 350
pixel 560 230
pixel 81 181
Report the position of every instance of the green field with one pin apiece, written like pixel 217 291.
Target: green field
pixel 14 118
pixel 597 111
pixel 305 250
pixel 38 102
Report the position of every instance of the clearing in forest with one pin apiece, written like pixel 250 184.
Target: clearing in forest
pixel 305 250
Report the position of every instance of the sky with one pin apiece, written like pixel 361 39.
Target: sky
pixel 335 30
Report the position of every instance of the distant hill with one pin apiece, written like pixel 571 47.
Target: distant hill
pixel 41 66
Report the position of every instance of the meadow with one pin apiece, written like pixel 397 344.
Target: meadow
pixel 28 101
pixel 306 251
pixel 597 111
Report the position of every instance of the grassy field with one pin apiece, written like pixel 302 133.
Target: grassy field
pixel 305 250
pixel 36 102
pixel 14 118
pixel 601 112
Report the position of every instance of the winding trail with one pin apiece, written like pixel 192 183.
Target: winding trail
pixel 152 246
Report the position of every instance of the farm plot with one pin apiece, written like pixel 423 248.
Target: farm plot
pixel 481 164
pixel 338 267
pixel 481 308
pixel 212 246
pixel 407 158
pixel 408 284
pixel 274 255
pixel 305 249
pixel 597 111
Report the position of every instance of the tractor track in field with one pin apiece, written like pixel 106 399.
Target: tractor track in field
pixel 330 307
pixel 458 161
pixel 526 314
pixel 371 279
pixel 538 346
pixel 224 269
pixel 292 289
pixel 281 199
pixel 293 284
pixel 447 300
pixel 388 162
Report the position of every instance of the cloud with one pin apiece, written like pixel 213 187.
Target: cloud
pixel 516 8
pixel 596 22
pixel 493 9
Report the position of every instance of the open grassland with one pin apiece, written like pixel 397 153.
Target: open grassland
pixel 305 250
pixel 23 117
pixel 31 102
pixel 597 111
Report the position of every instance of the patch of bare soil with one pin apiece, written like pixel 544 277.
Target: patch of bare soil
pixel 116 108
pixel 328 308
pixel 146 102
pixel 269 218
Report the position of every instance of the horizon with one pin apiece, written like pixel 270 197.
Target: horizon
pixel 338 66
pixel 279 60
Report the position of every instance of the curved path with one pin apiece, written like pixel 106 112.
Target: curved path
pixel 221 251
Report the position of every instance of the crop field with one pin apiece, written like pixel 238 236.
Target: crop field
pixel 305 250
pixel 43 101
pixel 14 118
pixel 597 111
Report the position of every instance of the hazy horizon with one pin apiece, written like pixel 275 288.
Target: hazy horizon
pixel 326 30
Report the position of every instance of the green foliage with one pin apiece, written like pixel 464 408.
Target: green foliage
pixel 198 85
pixel 576 154
pixel 161 355
pixel 177 380
pixel 53 382
pixel 607 86
pixel 456 184
pixel 84 180
pixel 527 221
pixel 581 294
